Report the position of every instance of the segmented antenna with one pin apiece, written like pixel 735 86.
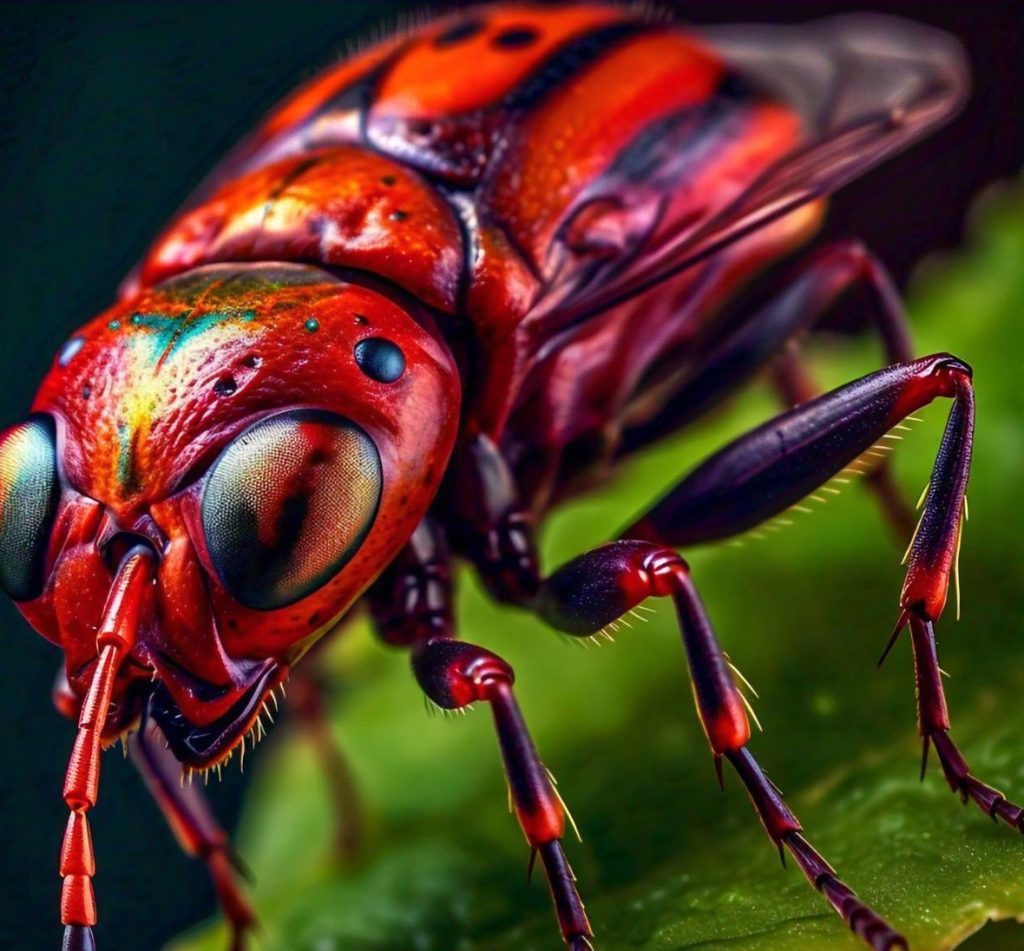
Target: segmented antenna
pixel 114 642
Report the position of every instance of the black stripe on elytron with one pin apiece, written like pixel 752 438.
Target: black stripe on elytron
pixel 665 149
pixel 459 32
pixel 569 59
pixel 573 56
pixel 289 179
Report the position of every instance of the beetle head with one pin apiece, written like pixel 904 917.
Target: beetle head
pixel 273 433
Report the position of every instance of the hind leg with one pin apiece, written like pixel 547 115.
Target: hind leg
pixel 934 726
pixel 769 336
pixel 795 385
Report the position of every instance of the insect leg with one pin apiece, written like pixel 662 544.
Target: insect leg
pixel 832 272
pixel 188 814
pixel 412 600
pixel 411 605
pixel 807 294
pixel 770 468
pixel 762 473
pixel 598 587
pixel 933 721
pixel 306 695
pixel 796 386
pixel 454 675
pixel 884 307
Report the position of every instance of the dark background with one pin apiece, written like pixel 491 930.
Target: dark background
pixel 109 114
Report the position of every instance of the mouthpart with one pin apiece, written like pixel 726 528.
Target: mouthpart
pixel 201 747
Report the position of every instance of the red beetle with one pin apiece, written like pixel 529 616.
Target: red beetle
pixel 445 285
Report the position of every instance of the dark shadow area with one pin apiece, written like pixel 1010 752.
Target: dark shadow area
pixel 995 936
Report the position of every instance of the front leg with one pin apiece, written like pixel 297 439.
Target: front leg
pixel 411 607
pixel 455 675
pixel 309 695
pixel 412 600
pixel 190 819
pixel 489 525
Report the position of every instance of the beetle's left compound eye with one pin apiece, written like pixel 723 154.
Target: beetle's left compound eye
pixel 29 491
pixel 288 503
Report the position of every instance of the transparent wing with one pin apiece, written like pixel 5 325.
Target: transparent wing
pixel 865 87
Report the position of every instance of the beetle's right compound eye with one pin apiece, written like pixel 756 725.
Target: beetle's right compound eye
pixel 288 503
pixel 29 491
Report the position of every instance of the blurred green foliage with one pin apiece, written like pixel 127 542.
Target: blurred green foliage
pixel 667 861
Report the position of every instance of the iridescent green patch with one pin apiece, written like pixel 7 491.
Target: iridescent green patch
pixel 171 332
pixel 221 282
pixel 125 456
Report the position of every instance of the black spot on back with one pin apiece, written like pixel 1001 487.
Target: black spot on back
pixel 515 38
pixel 459 32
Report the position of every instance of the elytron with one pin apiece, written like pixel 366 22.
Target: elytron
pixel 450 282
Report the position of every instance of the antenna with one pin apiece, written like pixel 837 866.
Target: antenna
pixel 114 642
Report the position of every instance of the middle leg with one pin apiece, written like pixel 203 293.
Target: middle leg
pixel 600 586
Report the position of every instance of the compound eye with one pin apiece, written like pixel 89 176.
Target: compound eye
pixel 287 504
pixel 29 492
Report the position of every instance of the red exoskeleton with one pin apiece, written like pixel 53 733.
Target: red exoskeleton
pixel 447 284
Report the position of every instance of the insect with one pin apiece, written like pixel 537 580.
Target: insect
pixel 447 284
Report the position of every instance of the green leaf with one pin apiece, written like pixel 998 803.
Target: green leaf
pixel 669 862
